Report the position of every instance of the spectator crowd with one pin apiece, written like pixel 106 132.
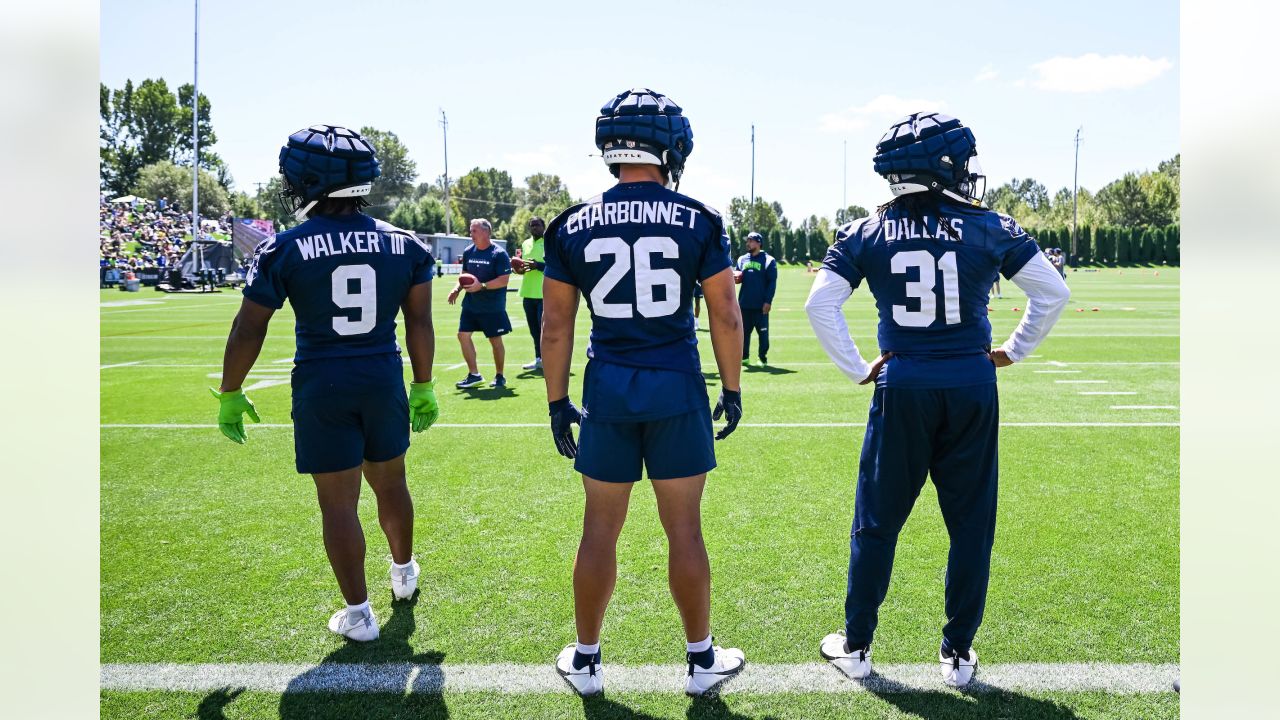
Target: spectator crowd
pixel 143 234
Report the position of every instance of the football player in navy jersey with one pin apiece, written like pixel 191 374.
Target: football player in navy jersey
pixel 346 275
pixel 929 257
pixel 634 252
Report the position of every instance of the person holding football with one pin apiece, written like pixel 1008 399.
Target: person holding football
pixel 346 276
pixel 486 269
pixel 634 252
pixel 929 257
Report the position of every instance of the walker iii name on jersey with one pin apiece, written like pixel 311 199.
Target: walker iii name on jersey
pixel 345 277
pixel 635 252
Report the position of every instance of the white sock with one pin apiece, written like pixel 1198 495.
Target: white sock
pixel 361 609
pixel 405 566
pixel 699 646
pixel 589 650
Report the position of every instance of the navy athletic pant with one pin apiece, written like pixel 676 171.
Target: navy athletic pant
pixel 755 320
pixel 951 436
pixel 533 317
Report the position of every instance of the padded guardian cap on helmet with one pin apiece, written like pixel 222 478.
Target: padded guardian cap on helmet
pixel 325 161
pixel 931 152
pixel 642 127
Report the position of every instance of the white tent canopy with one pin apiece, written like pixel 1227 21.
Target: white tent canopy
pixel 130 199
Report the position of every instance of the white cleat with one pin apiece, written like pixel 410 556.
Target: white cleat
pixel 586 681
pixel 856 665
pixel 958 671
pixel 404 582
pixel 535 365
pixel 361 627
pixel 728 663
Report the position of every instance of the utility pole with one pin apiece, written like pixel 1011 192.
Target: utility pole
pixel 751 209
pixel 448 210
pixel 195 145
pixel 844 196
pixel 1075 202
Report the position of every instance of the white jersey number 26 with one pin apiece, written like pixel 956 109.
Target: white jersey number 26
pixel 646 278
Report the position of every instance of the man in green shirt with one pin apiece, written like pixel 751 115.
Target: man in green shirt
pixel 530 265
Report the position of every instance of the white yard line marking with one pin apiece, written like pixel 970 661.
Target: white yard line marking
pixel 455 366
pixel 124 364
pixel 128 303
pixel 1105 392
pixel 180 306
pixel 1057 372
pixel 1118 678
pixel 1144 407
pixel 201 426
pixel 1080 382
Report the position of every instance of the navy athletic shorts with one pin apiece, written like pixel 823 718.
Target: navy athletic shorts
pixel 348 410
pixel 492 324
pixel 671 447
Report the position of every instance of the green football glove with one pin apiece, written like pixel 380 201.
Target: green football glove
pixel 423 407
pixel 234 404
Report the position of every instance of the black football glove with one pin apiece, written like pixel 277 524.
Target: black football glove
pixel 563 416
pixel 730 406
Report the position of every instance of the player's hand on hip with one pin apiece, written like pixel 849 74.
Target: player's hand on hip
pixel 563 416
pixel 424 409
pixel 233 405
pixel 729 406
pixel 1001 358
pixel 875 368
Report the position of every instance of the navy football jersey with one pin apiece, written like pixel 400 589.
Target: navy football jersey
pixel 931 288
pixel 345 277
pixel 488 264
pixel 635 252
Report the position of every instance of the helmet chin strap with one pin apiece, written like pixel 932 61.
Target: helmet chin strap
pixel 301 213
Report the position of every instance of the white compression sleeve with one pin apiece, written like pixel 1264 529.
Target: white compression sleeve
pixel 1047 295
pixel 826 298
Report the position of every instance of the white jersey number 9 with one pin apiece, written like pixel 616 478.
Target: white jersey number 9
pixel 365 299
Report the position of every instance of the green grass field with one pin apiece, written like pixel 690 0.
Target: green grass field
pixel 211 552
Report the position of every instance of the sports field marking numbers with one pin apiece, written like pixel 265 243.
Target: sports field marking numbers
pixel 922 289
pixel 646 276
pixel 365 300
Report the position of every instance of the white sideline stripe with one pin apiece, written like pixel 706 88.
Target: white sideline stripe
pixel 123 364
pixel 1106 392
pixel 1144 407
pixel 1080 382
pixel 201 426
pixel 1117 678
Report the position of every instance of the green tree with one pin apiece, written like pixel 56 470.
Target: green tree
pixel 424 215
pixel 164 179
pixel 1124 245
pixel 268 198
pixel 209 160
pixel 488 194
pixel 762 217
pixel 849 214
pixel 1172 245
pixel 119 162
pixel 398 171
pixel 245 206
pixel 544 192
pixel 154 122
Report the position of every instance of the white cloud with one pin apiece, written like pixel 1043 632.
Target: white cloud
pixel 986 74
pixel 881 109
pixel 1095 73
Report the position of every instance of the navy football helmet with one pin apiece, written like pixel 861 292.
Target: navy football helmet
pixel 931 152
pixel 640 126
pixel 325 161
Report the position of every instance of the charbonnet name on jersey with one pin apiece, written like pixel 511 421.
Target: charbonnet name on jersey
pixel 632 211
pixel 356 241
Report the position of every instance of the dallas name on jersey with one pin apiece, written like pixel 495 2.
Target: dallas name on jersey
pixel 345 277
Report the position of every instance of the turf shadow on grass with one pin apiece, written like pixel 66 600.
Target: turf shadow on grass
pixel 768 370
pixel 487 393
pixel 707 707
pixel 978 702
pixel 299 702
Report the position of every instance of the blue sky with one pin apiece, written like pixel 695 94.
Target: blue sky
pixel 523 82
